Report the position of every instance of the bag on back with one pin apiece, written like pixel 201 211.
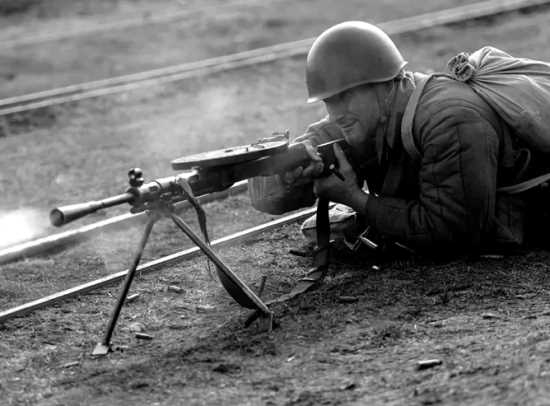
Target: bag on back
pixel 518 89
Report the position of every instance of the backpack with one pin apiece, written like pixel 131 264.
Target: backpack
pixel 518 89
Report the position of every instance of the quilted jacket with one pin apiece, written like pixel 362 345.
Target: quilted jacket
pixel 448 199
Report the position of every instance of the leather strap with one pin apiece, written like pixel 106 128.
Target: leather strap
pixel 201 217
pixel 321 259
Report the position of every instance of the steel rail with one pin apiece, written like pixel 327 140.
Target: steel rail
pixel 138 19
pixel 44 244
pixel 150 266
pixel 187 70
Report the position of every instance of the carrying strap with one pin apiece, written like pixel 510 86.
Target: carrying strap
pixel 201 217
pixel 320 263
pixel 321 259
pixel 408 117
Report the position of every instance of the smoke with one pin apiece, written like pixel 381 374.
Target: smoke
pixel 216 102
pixel 21 225
pixel 203 124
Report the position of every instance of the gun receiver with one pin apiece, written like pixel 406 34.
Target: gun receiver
pixel 205 173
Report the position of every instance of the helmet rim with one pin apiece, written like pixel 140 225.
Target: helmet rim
pixel 327 94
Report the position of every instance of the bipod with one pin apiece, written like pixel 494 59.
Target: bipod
pixel 236 288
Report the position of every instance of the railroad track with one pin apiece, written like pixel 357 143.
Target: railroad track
pixel 125 83
pixel 263 55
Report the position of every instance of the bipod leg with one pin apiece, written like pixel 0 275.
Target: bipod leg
pixel 103 347
pixel 231 282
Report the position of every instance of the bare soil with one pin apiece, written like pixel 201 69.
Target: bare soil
pixel 356 340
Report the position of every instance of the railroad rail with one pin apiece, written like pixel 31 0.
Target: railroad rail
pixel 150 266
pixel 65 238
pixel 125 83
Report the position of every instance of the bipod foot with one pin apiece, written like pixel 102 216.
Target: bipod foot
pixel 102 349
pixel 266 322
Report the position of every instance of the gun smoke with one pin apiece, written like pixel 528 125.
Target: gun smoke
pixel 21 225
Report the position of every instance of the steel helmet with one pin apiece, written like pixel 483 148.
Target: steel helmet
pixel 350 54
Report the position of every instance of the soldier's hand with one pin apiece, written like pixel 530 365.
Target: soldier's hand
pixel 345 191
pixel 302 175
pixel 316 133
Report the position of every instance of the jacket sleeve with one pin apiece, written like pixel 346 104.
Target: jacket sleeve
pixel 457 186
pixel 270 195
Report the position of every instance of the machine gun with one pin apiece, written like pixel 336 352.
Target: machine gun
pixel 204 173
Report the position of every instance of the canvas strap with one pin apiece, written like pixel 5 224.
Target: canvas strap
pixel 201 217
pixel 320 260
pixel 408 117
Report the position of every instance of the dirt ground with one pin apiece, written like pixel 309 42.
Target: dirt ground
pixel 356 340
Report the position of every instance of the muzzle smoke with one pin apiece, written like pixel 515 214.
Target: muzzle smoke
pixel 21 225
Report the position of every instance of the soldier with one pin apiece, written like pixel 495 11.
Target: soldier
pixel 445 198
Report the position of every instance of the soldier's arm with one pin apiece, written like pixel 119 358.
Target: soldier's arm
pixel 455 205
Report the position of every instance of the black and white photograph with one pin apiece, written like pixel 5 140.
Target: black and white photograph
pixel 274 202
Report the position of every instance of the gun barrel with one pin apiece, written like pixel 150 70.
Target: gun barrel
pixel 65 214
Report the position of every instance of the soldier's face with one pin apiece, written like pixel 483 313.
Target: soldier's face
pixel 356 112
